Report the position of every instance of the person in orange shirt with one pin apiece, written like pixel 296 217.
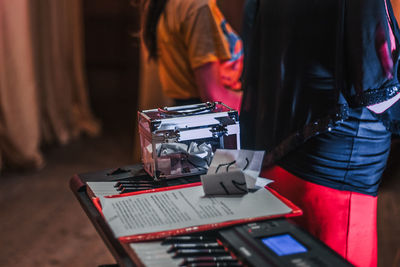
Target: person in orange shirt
pixel 199 56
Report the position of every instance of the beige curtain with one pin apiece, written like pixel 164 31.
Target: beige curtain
pixel 43 94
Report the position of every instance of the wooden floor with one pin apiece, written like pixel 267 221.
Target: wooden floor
pixel 42 223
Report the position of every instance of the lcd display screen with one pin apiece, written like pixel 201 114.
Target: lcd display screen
pixel 283 245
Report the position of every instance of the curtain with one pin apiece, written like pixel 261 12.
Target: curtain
pixel 43 92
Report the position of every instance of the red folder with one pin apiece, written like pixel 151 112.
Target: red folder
pixel 296 211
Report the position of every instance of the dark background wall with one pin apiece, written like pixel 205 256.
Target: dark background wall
pixel 112 61
pixel 112 48
pixel 233 11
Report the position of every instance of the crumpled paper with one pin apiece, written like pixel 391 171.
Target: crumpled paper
pixel 198 155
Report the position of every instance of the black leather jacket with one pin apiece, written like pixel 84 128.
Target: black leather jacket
pixel 308 62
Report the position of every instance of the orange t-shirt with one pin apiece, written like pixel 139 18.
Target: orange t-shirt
pixel 190 34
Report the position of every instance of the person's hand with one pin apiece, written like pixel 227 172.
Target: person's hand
pixel 211 89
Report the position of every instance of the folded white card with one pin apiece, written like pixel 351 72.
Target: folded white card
pixel 224 183
pixel 234 172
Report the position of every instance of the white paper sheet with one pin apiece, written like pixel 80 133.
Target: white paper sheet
pixel 183 208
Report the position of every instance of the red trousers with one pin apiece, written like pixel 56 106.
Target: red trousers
pixel 344 220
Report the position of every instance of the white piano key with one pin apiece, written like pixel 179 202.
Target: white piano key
pixel 153 254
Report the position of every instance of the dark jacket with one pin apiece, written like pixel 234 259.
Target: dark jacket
pixel 311 60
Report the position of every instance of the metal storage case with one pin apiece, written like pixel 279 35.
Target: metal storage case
pixel 180 141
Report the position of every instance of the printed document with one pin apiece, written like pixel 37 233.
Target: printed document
pixel 183 208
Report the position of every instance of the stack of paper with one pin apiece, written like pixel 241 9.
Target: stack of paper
pixel 184 210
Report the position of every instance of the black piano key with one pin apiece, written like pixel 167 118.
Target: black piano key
pixel 181 253
pixel 187 239
pixel 197 245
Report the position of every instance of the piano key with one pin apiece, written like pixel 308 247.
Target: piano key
pixel 153 254
pixel 196 245
pixel 215 264
pixel 180 253
pixel 203 259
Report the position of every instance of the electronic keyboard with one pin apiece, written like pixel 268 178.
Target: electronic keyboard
pixel 276 242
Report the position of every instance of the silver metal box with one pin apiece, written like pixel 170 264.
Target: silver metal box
pixel 180 141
